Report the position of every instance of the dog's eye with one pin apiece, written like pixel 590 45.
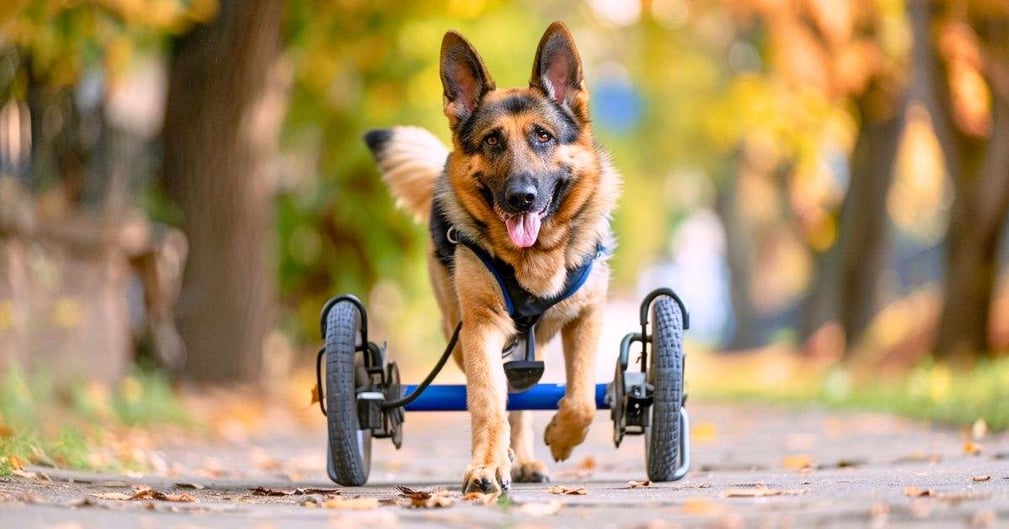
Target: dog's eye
pixel 491 140
pixel 543 136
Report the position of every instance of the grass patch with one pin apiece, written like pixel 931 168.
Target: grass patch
pixel 930 391
pixel 66 428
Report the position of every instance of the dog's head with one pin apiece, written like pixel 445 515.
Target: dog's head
pixel 519 153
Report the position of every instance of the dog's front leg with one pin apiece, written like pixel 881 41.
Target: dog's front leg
pixel 576 410
pixel 489 470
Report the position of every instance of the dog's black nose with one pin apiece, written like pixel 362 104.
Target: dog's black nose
pixel 521 193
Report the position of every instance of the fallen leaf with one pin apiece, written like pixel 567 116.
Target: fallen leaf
pixel 919 457
pixel 569 491
pixel 915 492
pixel 263 491
pixel 760 492
pixel 700 507
pixel 588 463
pixel 6 431
pixel 315 394
pixel 180 498
pixel 972 449
pixel 195 486
pixel 351 504
pixel 985 477
pixel 422 499
pixel 117 496
pixel 797 462
pixel 539 510
pixel 15 462
pixel 638 484
pixel 146 493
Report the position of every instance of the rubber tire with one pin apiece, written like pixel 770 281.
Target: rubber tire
pixel 665 374
pixel 349 446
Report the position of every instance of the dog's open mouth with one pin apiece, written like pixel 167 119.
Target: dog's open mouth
pixel 524 228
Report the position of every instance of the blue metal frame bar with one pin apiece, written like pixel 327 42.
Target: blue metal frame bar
pixel 452 397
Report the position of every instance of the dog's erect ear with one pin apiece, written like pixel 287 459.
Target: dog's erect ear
pixel 557 71
pixel 463 76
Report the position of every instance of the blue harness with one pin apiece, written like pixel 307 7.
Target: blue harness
pixel 524 307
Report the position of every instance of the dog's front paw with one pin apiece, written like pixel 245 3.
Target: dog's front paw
pixel 487 478
pixel 568 428
pixel 530 472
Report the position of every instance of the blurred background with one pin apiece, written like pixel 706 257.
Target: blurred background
pixel 183 184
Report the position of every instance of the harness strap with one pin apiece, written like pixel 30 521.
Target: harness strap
pixel 524 307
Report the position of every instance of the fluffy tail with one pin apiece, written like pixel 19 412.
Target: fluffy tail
pixel 410 159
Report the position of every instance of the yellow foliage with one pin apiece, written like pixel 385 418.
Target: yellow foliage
pixel 67 313
pixel 6 314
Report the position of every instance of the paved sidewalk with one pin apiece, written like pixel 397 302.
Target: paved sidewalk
pixel 753 466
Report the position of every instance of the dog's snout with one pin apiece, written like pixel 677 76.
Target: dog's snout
pixel 521 193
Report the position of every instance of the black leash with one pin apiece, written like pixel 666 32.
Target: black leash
pixel 404 401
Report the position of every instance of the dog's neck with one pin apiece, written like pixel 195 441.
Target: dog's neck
pixel 542 268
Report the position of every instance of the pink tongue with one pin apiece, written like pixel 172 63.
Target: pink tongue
pixel 523 229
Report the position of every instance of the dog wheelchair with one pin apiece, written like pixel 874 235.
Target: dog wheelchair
pixel 362 397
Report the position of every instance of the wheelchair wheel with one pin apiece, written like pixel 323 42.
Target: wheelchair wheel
pixel 665 375
pixel 349 445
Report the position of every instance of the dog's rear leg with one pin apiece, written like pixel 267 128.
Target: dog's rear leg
pixel 525 468
pixel 576 410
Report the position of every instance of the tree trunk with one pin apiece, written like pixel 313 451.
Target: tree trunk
pixel 864 223
pixel 219 131
pixel 977 219
pixel 979 168
pixel 739 256
pixel 846 287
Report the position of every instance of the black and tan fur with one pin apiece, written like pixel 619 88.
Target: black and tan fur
pixel 538 137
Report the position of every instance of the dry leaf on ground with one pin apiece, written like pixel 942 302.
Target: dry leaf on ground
pixel 15 462
pixel 117 496
pixel 263 491
pixel 760 492
pixel 700 507
pixel 542 509
pixel 797 462
pixel 972 449
pixel 915 492
pixel 149 494
pixel 638 484
pixel 352 504
pixel 569 491
pixel 985 477
pixel 194 486
pixel 422 499
pixel 919 457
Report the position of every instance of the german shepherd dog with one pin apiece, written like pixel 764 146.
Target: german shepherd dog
pixel 526 185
